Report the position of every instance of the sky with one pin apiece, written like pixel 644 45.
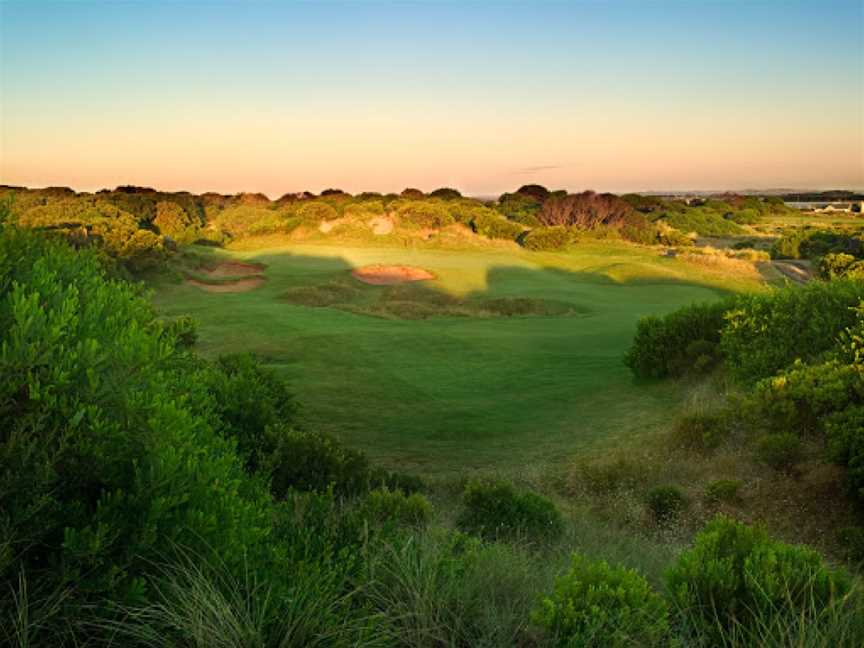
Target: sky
pixel 481 96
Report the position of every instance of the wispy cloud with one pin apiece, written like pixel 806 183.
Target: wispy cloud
pixel 538 168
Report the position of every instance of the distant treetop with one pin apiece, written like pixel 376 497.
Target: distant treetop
pixel 539 192
pixel 410 192
pixel 446 193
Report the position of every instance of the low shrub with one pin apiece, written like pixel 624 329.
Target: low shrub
pixel 494 509
pixel 723 490
pixel 311 461
pixel 701 431
pixel 183 330
pixel 736 575
pixel 765 333
pixel 781 450
pixel 594 604
pixel 247 399
pixel 489 224
pixel 546 238
pixel 834 265
pixel 425 213
pixel 666 503
pixel 684 340
pixel 315 211
pixel 393 506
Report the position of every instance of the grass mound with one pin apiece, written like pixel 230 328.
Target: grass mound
pixel 329 294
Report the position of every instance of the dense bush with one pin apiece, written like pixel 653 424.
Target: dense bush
pixel 546 238
pixel 393 506
pixel 835 265
pixel 520 208
pixel 702 220
pixel 445 193
pixel 106 465
pixel 681 341
pixel 766 332
pixel 587 210
pixel 495 509
pixel 489 224
pixel 172 220
pixel 736 575
pixel 594 604
pixel 425 214
pixel 666 503
pixel 311 461
pixel 248 398
pixel 316 211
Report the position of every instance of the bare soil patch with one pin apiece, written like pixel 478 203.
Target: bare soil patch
pixel 383 275
pixel 241 285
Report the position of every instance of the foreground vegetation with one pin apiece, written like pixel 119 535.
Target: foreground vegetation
pixel 150 496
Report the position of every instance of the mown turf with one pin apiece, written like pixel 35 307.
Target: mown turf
pixel 458 393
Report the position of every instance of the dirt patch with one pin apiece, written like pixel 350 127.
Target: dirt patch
pixel 381 275
pixel 233 269
pixel 381 226
pixel 241 285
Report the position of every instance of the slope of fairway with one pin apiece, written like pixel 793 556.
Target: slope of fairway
pixel 458 393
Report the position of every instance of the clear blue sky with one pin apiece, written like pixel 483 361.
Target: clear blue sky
pixel 486 96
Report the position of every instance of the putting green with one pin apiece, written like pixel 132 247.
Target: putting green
pixel 458 393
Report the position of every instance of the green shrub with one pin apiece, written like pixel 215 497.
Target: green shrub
pixel 835 265
pixel 424 213
pixel 520 208
pixel 684 340
pixel 315 212
pixel 247 399
pixel 765 333
pixel 702 431
pixel 183 330
pixel 735 575
pixel 172 220
pixel 723 490
pixel 383 505
pixel 445 193
pixel 744 216
pixel 546 238
pixel 702 220
pixel 666 503
pixel 111 460
pixel 311 461
pixel 781 450
pixel 495 509
pixel 489 224
pixel 597 605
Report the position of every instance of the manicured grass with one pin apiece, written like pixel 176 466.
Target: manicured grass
pixel 458 394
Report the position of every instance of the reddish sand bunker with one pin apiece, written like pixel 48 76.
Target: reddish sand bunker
pixel 381 275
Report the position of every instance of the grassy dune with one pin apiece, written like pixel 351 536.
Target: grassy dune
pixel 457 393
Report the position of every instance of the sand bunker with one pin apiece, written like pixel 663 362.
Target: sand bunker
pixel 381 275
pixel 241 285
pixel 381 225
pixel 233 269
pixel 249 277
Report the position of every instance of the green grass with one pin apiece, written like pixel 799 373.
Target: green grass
pixel 458 393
